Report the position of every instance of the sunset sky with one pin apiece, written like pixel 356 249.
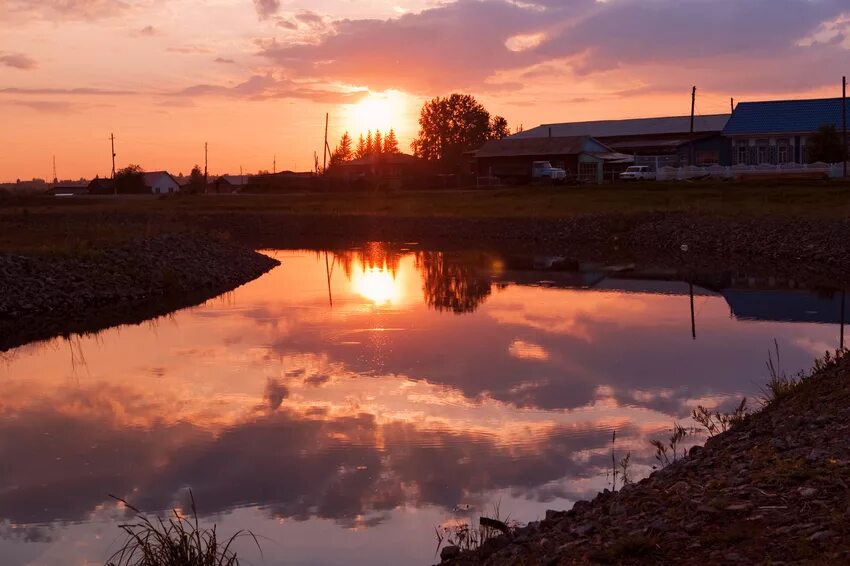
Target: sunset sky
pixel 254 78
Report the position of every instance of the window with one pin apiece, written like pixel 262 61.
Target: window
pixel 763 151
pixel 743 153
pixel 783 151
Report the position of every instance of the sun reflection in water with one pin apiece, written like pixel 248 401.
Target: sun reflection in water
pixel 378 285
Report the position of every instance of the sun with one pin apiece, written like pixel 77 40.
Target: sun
pixel 378 111
pixel 377 285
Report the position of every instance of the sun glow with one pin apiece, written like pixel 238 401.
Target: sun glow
pixel 378 111
pixel 378 285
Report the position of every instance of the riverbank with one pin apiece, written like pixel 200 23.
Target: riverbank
pixel 772 490
pixel 47 295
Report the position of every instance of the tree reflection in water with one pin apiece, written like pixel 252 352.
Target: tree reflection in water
pixel 459 282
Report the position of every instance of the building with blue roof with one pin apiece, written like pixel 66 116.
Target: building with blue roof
pixel 778 131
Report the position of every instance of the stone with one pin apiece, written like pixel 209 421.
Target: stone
pixel 584 529
pixel 821 536
pixel 807 492
pixel 449 553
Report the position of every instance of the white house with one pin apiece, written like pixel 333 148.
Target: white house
pixel 161 182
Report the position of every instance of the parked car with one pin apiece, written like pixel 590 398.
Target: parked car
pixel 543 170
pixel 637 173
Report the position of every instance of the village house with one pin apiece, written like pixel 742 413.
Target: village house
pixel 582 157
pixel 657 142
pixel 778 131
pixel 382 170
pixel 161 182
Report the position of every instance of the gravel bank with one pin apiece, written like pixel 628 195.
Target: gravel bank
pixel 48 296
pixel 773 490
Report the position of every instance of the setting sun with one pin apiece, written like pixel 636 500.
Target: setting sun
pixel 378 111
pixel 378 285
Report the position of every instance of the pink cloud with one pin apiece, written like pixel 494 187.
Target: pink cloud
pixel 18 61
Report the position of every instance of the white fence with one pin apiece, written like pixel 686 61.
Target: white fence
pixel 750 171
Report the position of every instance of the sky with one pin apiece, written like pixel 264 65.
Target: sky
pixel 255 78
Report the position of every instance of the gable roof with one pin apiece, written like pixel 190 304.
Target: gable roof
pixel 629 127
pixel 784 116
pixel 565 145
pixel 153 176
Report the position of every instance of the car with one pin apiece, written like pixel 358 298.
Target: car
pixel 637 173
pixel 543 170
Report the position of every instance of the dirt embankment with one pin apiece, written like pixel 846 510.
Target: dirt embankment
pixel 774 489
pixel 46 296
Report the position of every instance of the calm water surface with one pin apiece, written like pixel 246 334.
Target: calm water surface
pixel 344 404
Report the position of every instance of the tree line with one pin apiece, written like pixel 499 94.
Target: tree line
pixel 448 127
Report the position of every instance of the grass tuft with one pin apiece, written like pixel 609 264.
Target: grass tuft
pixel 179 541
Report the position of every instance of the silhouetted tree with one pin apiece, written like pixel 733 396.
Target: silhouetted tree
pixel 378 143
pixel 499 128
pixel 453 282
pixel 343 151
pixel 370 148
pixel 130 179
pixel 450 126
pixel 196 181
pixel 390 142
pixel 360 152
pixel 826 145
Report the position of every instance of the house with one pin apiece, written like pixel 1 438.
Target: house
pixel 511 157
pixel 229 184
pixel 779 131
pixel 382 170
pixel 69 188
pixel 280 182
pixel 161 182
pixel 99 186
pixel 657 142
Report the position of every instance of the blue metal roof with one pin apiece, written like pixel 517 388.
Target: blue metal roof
pixel 784 116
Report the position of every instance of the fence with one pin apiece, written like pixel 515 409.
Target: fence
pixel 823 170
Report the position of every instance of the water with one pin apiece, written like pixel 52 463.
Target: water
pixel 344 404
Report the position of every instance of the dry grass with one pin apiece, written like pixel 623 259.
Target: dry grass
pixel 179 541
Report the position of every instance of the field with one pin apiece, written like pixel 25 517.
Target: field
pixel 55 223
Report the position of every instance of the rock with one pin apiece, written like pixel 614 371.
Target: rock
pixel 584 529
pixel 821 536
pixel 807 492
pixel 449 553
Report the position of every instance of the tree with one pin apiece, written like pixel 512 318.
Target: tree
pixel 499 128
pixel 196 184
pixel 343 151
pixel 130 179
pixel 450 126
pixel 826 145
pixel 360 152
pixel 390 142
pixel 378 143
pixel 370 148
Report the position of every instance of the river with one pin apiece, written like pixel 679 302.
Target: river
pixel 346 403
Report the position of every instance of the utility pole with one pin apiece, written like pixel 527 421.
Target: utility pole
pixel 844 122
pixel 325 149
pixel 693 108
pixel 55 178
pixel 274 165
pixel 114 186
pixel 732 104
pixel 206 164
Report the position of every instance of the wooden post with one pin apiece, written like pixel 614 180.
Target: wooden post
pixel 844 122
pixel 693 108
pixel 114 186
pixel 325 148
pixel 693 317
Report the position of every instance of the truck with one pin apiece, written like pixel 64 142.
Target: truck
pixel 541 172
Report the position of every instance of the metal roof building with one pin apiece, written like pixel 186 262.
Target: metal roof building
pixel 784 116
pixel 675 125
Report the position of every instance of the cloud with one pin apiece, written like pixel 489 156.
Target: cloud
pixel 18 61
pixel 224 61
pixel 69 9
pixel 148 31
pixel 266 8
pixel 265 87
pixel 462 44
pixel 48 106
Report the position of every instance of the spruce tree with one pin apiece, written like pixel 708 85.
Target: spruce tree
pixel 390 142
pixel 369 146
pixel 378 143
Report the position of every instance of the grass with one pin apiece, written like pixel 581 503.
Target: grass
pixel 179 541
pixel 811 198
pixel 467 537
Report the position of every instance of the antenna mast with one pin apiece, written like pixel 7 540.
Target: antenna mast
pixel 114 186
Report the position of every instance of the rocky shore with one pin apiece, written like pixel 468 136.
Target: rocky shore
pixel 775 489
pixel 809 249
pixel 46 296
